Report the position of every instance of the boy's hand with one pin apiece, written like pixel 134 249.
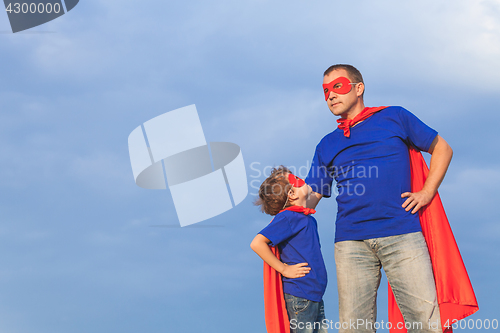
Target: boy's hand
pixel 296 271
pixel 261 247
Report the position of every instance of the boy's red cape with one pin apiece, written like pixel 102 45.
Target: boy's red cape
pixel 274 299
pixel 455 295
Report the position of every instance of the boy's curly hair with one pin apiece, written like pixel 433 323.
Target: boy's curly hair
pixel 274 190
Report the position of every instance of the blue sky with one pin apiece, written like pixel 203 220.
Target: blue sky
pixel 84 249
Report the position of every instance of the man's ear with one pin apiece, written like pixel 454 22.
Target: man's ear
pixel 360 88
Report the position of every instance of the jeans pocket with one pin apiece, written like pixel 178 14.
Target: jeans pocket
pixel 300 304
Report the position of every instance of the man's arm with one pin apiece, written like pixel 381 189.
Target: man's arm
pixel 261 247
pixel 313 200
pixel 441 154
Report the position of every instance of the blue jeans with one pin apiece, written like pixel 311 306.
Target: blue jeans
pixel 406 262
pixel 305 316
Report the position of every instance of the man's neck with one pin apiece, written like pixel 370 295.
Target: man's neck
pixel 355 110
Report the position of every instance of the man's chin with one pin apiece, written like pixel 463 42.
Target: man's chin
pixel 336 109
pixel 337 112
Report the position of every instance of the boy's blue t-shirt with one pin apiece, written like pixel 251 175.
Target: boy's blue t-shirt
pixel 372 170
pixel 297 238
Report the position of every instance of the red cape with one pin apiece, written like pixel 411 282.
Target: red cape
pixel 455 295
pixel 274 299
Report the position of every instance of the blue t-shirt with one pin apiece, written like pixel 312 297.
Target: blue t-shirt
pixel 297 238
pixel 372 170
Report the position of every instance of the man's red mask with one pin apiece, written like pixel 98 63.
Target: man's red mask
pixel 295 181
pixel 340 85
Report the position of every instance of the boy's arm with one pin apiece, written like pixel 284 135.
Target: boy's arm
pixel 441 154
pixel 261 247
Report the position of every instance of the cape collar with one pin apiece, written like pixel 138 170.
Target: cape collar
pixel 346 124
pixel 300 209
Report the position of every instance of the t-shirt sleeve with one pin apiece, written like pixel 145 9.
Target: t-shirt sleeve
pixel 278 230
pixel 319 177
pixel 417 133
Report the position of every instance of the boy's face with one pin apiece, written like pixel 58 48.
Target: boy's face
pixel 304 191
pixel 301 190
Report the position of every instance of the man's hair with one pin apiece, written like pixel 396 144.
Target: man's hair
pixel 352 72
pixel 273 192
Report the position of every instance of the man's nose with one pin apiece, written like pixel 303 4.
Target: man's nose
pixel 332 95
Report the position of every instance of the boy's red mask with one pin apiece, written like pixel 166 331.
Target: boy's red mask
pixel 295 181
pixel 340 85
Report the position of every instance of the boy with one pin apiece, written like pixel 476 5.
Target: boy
pixel 294 232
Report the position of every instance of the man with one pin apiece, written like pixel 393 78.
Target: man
pixel 377 225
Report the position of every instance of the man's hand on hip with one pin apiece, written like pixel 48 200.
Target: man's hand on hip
pixel 416 200
pixel 441 154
